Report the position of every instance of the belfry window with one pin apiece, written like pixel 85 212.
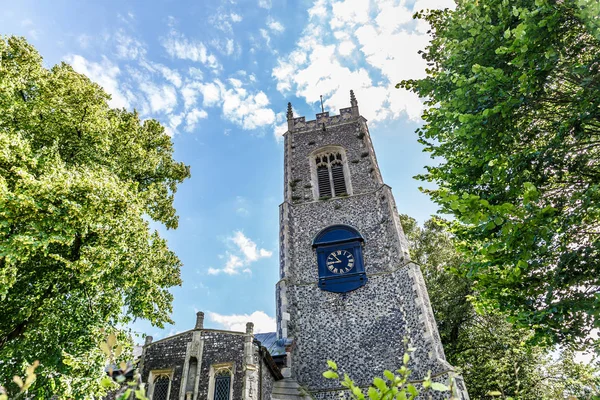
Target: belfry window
pixel 331 179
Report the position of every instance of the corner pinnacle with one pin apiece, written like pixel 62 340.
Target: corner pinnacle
pixel 353 101
pixel 290 113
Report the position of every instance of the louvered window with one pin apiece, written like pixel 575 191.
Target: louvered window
pixel 222 385
pixel 324 185
pixel 339 183
pixel 161 388
pixel 330 175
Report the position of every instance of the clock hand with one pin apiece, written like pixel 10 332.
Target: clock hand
pixel 334 256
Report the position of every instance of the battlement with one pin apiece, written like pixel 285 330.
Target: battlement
pixel 323 119
pixel 300 124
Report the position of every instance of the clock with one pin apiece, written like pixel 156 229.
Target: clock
pixel 340 261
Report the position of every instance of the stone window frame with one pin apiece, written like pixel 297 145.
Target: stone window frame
pixel 214 370
pixel 327 150
pixel 154 375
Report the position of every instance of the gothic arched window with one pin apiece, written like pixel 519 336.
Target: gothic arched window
pixel 222 385
pixel 161 388
pixel 331 175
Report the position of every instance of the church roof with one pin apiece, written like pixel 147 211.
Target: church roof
pixel 276 347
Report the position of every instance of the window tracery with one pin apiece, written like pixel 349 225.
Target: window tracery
pixel 222 384
pixel 331 179
pixel 161 387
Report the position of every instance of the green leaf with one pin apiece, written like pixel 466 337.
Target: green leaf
pixel 412 390
pixel 332 365
pixel 379 384
pixel 330 374
pixel 389 375
pixel 373 393
pixel 440 387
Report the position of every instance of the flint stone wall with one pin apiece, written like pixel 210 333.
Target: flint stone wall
pixel 168 353
pixel 353 136
pixel 361 330
pixel 267 381
pixel 219 348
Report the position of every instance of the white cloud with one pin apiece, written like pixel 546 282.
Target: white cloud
pixel 195 73
pixel 348 13
pixel 223 20
pixel 162 98
pixel 105 74
pixel 248 248
pixel 383 41
pixel 248 110
pixel 211 93
pixel 173 121
pixel 169 74
pixel 280 126
pixel 237 322
pixel 229 47
pixel 265 35
pixel 189 93
pixel 243 253
pixel 192 118
pixel 180 47
pixel 275 26
pixel 346 47
pixel 128 47
pixel 264 4
pixel 318 9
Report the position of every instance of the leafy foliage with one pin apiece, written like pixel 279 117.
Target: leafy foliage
pixel 79 184
pixel 394 386
pixel 492 354
pixel 513 113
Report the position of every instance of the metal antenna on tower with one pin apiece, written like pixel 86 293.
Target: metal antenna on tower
pixel 322 111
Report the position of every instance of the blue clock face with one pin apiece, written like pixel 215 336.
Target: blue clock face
pixel 340 261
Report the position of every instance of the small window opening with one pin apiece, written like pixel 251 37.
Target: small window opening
pixel 222 385
pixel 161 388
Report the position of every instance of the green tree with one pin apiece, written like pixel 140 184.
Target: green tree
pixel 513 115
pixel 492 354
pixel 79 184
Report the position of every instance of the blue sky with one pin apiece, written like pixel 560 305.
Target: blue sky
pixel 218 75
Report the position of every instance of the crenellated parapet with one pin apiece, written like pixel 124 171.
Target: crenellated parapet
pixel 323 120
pixel 300 124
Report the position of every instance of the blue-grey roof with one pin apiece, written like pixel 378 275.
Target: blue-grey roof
pixel 276 347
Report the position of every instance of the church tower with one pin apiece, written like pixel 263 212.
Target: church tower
pixel 348 290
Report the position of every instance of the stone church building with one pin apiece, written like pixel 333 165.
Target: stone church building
pixel 347 290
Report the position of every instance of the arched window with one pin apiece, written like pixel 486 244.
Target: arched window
pixel 222 385
pixel 161 388
pixel 331 179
